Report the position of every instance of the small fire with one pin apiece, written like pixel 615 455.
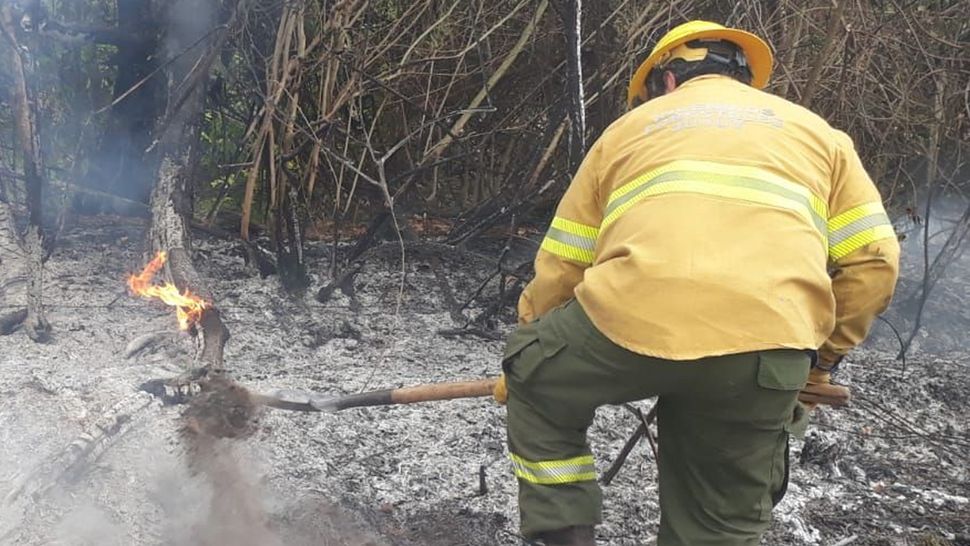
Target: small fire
pixel 188 306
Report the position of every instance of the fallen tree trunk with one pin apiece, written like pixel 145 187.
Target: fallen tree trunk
pixel 80 454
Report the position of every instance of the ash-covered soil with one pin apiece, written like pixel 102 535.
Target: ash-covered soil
pixel 87 459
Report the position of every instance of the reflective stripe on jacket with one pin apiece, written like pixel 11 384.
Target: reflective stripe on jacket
pixel 720 219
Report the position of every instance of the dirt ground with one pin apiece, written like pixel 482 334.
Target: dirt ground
pixel 86 458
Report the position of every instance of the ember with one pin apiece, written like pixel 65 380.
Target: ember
pixel 188 307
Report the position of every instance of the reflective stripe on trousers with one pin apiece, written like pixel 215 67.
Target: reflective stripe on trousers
pixel 575 469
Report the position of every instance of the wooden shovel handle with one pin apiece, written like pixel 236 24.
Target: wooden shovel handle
pixel 410 395
pixel 828 394
pixel 444 391
pixel 832 395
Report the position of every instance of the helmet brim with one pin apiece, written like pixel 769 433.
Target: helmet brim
pixel 757 51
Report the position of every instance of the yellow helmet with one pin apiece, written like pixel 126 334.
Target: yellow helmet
pixel 757 52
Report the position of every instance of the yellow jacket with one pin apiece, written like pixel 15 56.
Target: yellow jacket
pixel 720 219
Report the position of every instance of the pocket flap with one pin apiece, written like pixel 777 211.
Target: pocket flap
pixel 523 336
pixel 783 370
pixel 550 342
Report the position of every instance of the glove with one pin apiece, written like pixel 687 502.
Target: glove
pixel 501 392
pixel 816 378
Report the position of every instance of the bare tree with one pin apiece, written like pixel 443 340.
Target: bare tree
pixel 571 15
pixel 36 325
pixel 192 26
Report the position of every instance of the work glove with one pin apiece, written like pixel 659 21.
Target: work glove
pixel 501 392
pixel 816 377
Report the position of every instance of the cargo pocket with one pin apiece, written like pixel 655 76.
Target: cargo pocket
pixel 522 337
pixel 787 371
pixel 527 348
pixel 783 370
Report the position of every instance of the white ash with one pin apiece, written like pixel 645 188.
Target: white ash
pixel 401 475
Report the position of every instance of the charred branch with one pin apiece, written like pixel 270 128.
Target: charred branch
pixel 288 237
pixel 70 463
pixel 642 431
pixel 345 283
pixel 371 236
pixel 255 255
pixel 9 322
pixel 214 338
pixel 446 292
pixel 145 342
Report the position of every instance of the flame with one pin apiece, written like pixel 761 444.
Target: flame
pixel 188 306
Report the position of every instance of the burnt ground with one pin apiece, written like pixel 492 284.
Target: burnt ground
pixel 87 459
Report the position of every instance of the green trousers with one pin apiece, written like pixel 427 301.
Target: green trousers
pixel 723 429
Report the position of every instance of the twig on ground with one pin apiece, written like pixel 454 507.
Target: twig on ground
pixel 446 292
pixel 479 332
pixel 11 321
pixel 846 541
pixel 75 458
pixel 145 341
pixel 642 430
pixel 344 283
pixel 631 442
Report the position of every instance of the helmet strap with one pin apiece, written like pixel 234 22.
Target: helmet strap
pixel 719 52
pixel 722 52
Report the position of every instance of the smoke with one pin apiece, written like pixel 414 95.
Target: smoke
pixel 945 324
pixel 218 502
pixel 146 489
pixel 88 525
pixel 236 514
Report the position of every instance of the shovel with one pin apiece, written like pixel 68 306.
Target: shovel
pixel 295 400
pixel 299 400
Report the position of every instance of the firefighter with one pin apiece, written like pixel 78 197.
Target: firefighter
pixel 718 247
